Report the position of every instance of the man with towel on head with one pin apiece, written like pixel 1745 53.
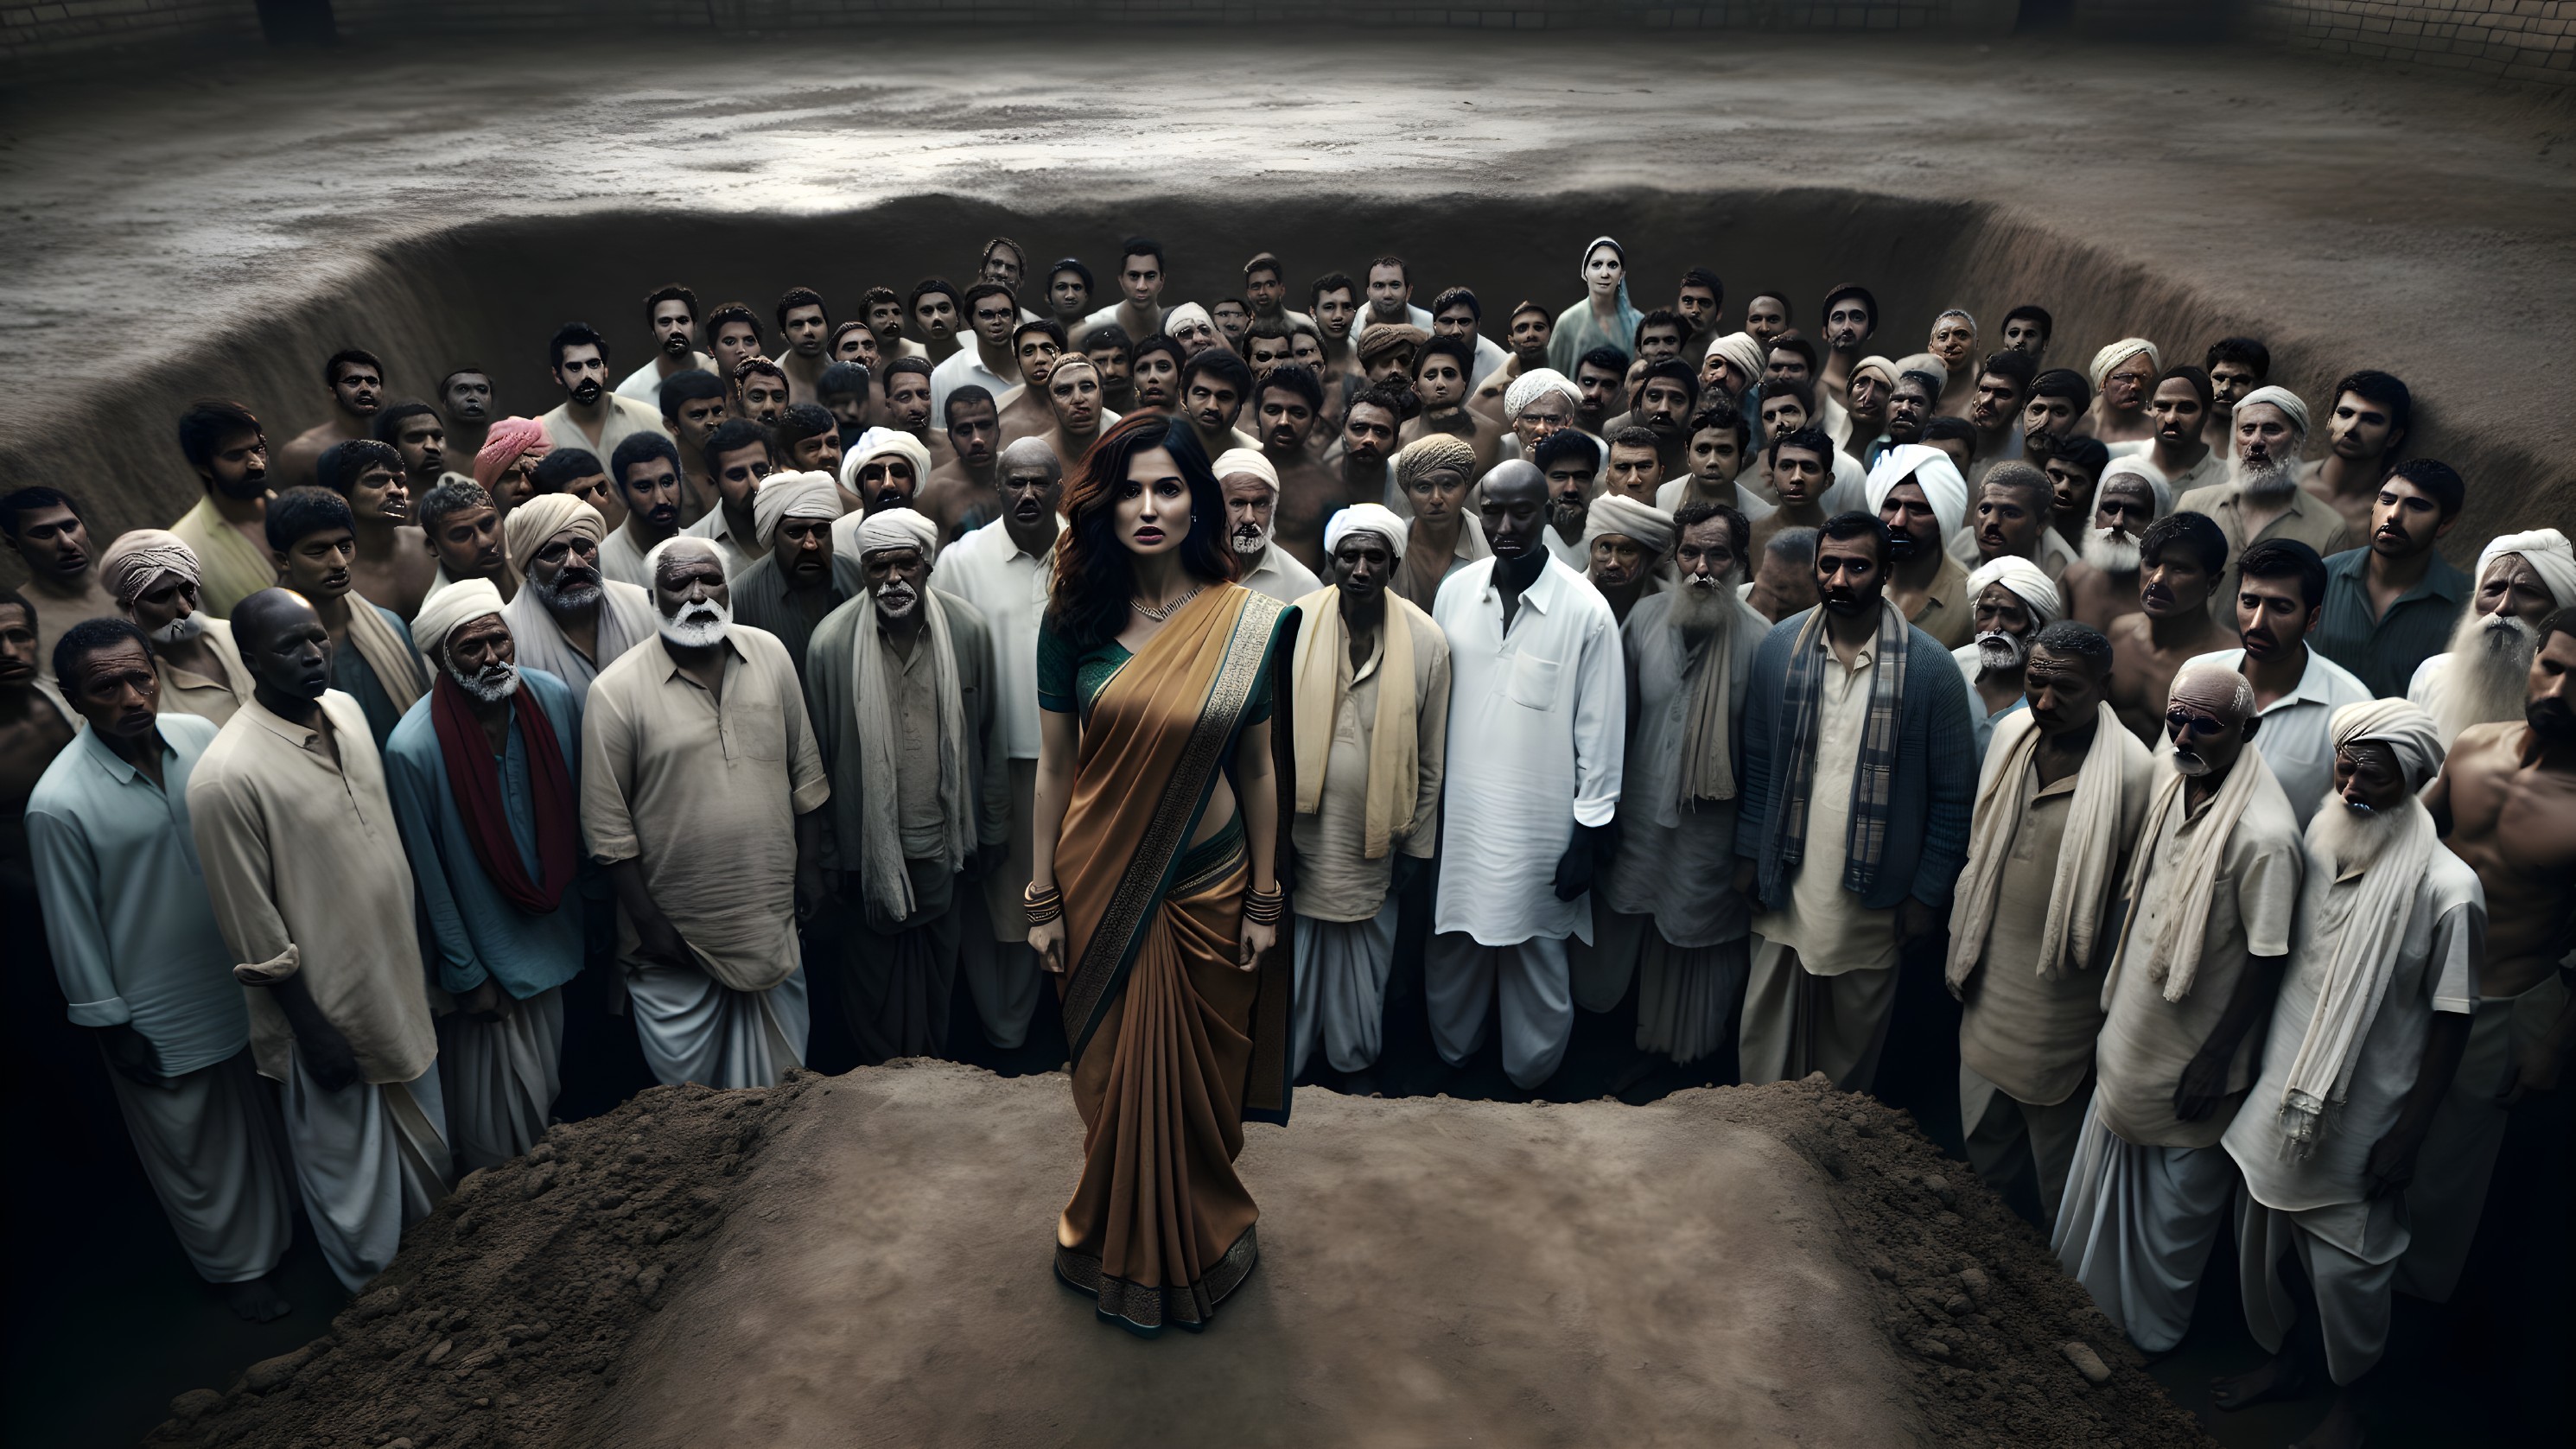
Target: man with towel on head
pixel 2365 1036
pixel 570 620
pixel 2521 579
pixel 2123 375
pixel 702 791
pixel 1537 404
pixel 2211 893
pixel 798 580
pixel 907 720
pixel 1917 492
pixel 152 575
pixel 483 774
pixel 304 864
pixel 1251 488
pixel 1671 909
pixel 1626 548
pixel 2261 499
pixel 506 464
pixel 1442 535
pixel 885 468
pixel 2011 601
pixel 2059 803
pixel 1371 717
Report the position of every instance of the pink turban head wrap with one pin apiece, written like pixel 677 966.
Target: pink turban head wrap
pixel 503 445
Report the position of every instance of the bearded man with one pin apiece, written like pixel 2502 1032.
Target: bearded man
pixel 2011 601
pixel 1251 489
pixel 1625 544
pixel 571 621
pixel 2521 579
pixel 2262 499
pixel 798 579
pixel 2101 583
pixel 153 578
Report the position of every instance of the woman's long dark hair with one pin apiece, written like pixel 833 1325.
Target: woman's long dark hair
pixel 1095 577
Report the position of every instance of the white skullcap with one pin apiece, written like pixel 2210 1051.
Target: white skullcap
pixel 877 443
pixel 898 528
pixel 1927 364
pixel 2545 549
pixel 2027 582
pixel 1885 367
pixel 2121 351
pixel 2159 492
pixel 449 607
pixel 134 564
pixel 1367 518
pixel 1234 462
pixel 1929 467
pixel 1528 387
pixel 1617 513
pixel 2398 724
pixel 2282 398
pixel 1185 313
pixel 783 496
pixel 1741 353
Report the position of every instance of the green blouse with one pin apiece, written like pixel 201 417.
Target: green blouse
pixel 1069 683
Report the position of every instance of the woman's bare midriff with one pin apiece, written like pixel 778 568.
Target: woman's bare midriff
pixel 1220 811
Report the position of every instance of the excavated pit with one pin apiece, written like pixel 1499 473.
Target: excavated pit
pixel 865 1260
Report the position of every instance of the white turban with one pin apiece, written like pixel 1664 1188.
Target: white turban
pixel 2279 397
pixel 1527 388
pixel 2545 549
pixel 1943 488
pixel 1617 513
pixel 783 496
pixel 1924 362
pixel 897 528
pixel 877 443
pixel 2159 491
pixel 134 564
pixel 2121 351
pixel 2027 583
pixel 1367 518
pixel 1234 462
pixel 1741 353
pixel 1885 368
pixel 2402 726
pixel 544 516
pixel 1185 313
pixel 461 603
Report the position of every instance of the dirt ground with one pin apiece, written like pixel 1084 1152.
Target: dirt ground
pixel 864 1259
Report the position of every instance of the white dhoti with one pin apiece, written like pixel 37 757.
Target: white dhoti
pixel 1002 974
pixel 370 1161
pixel 501 1078
pixel 696 1029
pixel 1601 967
pixel 2349 1253
pixel 211 1147
pixel 2458 1157
pixel 1461 978
pixel 1796 1022
pixel 1341 988
pixel 2136 1227
pixel 1687 996
pixel 2010 1140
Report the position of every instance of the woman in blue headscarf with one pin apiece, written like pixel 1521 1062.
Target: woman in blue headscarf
pixel 1603 318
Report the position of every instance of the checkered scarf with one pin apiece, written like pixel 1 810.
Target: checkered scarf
pixel 1873 776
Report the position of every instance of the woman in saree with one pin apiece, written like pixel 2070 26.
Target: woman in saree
pixel 1604 318
pixel 1156 896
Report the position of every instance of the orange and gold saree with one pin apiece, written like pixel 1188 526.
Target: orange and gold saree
pixel 1173 1044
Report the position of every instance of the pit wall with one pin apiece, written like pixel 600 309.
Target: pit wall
pixel 489 294
pixel 2529 41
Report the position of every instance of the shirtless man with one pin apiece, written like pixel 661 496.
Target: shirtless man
pixel 2102 583
pixel 33 729
pixel 907 405
pixel 970 475
pixel 356 382
pixel 1334 300
pixel 1141 274
pixel 1074 410
pixel 1360 475
pixel 1287 406
pixel 394 565
pixel 805 327
pixel 883 309
pixel 2179 561
pixel 2372 411
pixel 1026 412
pixel 2122 375
pixel 1800 463
pixel 1530 326
pixel 44 528
pixel 1851 316
pixel 1440 380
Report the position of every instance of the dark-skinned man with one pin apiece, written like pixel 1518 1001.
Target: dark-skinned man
pixel 646 473
pixel 1917 492
pixel 739 455
pixel 460 526
pixel 790 589
pixel 570 620
pixel 372 661
pixel 154 579
pixel 963 484
pixel 2101 583
pixel 2280 595
pixel 2390 604
pixel 355 382
pixel 224 445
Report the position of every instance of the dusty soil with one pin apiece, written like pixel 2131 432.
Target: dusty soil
pixel 864 1259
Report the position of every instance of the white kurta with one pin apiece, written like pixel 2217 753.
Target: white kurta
pixel 1537 715
pixel 964 366
pixel 1008 585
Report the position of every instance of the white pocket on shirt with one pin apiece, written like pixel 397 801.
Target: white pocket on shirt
pixel 1533 681
pixel 759 729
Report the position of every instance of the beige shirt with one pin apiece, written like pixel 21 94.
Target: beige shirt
pixel 230 568
pixel 301 853
pixel 216 699
pixel 1945 614
pixel 703 792
pixel 1826 925
pixel 622 560
pixel 919 819
pixel 625 418
pixel 2147 1041
pixel 1335 879
pixel 56 616
pixel 2030 1036
pixel 739 553
pixel 2309 519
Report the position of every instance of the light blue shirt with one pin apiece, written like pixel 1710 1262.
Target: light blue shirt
pixel 474 930
pixel 126 911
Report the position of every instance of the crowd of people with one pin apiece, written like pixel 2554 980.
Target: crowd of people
pixel 2235 816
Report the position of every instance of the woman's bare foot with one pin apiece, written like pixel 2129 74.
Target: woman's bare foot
pixel 256 1301
pixel 2278 1379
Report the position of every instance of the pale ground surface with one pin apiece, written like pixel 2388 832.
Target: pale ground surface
pixel 1650 1273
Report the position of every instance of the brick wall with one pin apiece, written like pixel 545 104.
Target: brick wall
pixel 32 33
pixel 2520 40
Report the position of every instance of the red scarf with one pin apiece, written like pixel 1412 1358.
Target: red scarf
pixel 475 778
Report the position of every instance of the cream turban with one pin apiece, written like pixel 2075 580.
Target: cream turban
pixel 2121 351
pixel 2027 583
pixel 136 561
pixel 1381 338
pixel 2279 397
pixel 449 607
pixel 1366 518
pixel 1234 462
pixel 1885 369
pixel 544 516
pixel 502 445
pixel 1184 314
pixel 1429 454
pixel 2398 724
pixel 1942 486
pixel 877 443
pixel 1617 513
pixel 792 495
pixel 2546 550
pixel 1741 353
pixel 1924 362
pixel 2159 492
pixel 1527 387
pixel 897 528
